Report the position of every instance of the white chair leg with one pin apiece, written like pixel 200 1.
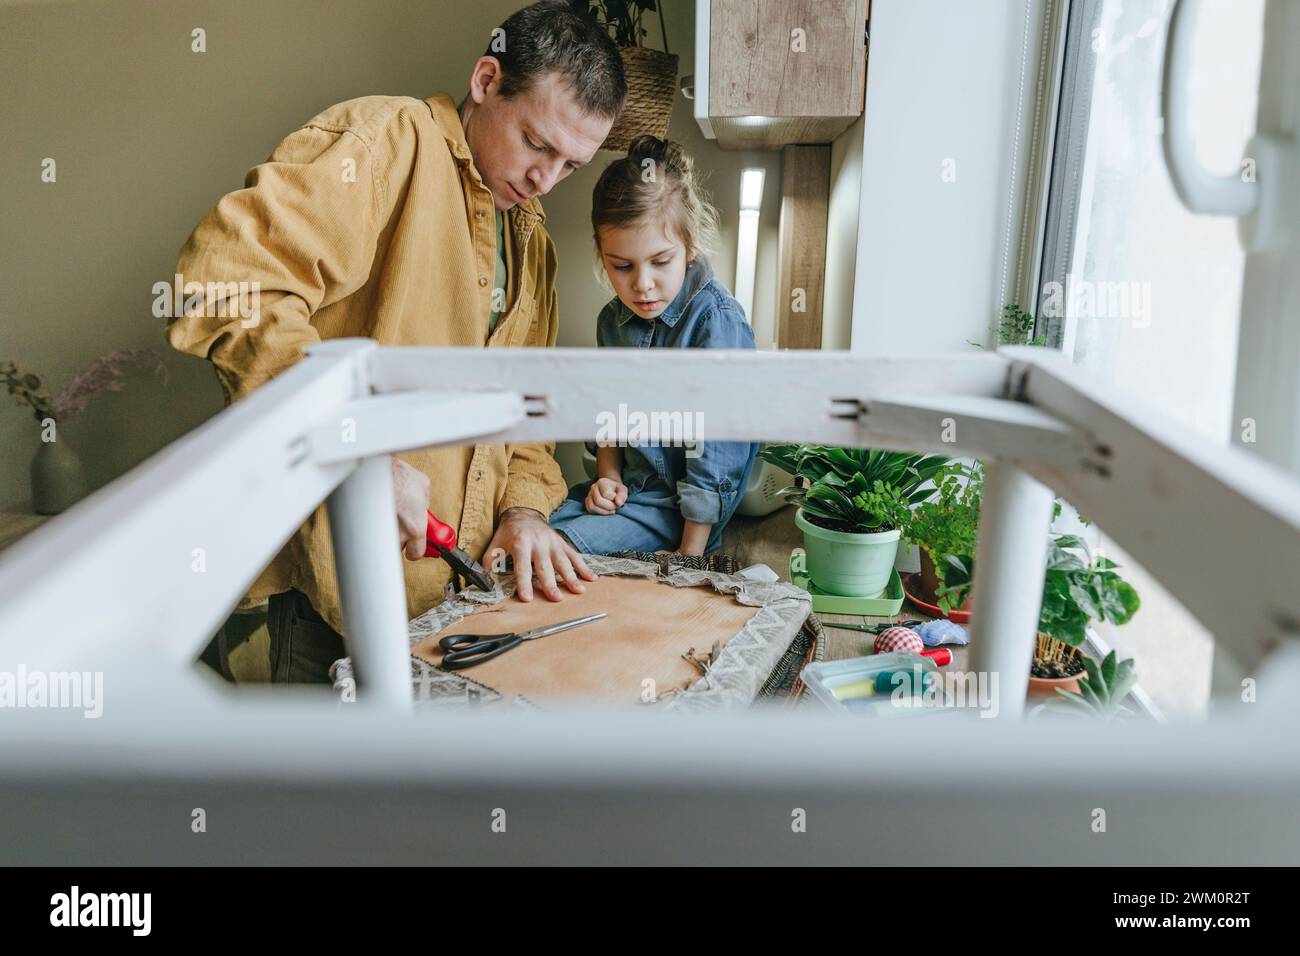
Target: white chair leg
pixel 367 553
pixel 1010 560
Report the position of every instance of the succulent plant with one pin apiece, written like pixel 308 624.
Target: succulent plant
pixel 856 490
pixel 1102 692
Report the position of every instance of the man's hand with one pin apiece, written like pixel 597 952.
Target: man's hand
pixel 411 489
pixel 537 549
pixel 606 496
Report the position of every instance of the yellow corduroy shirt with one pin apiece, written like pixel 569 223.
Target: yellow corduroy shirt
pixel 372 220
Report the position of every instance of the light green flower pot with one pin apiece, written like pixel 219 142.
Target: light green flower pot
pixel 848 564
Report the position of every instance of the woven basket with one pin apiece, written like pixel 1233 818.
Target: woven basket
pixel 651 86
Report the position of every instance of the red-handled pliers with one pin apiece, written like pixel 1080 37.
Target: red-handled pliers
pixel 441 543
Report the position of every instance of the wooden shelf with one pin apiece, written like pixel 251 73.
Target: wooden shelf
pixel 17 520
pixel 785 72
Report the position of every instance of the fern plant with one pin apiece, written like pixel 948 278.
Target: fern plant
pixel 1015 327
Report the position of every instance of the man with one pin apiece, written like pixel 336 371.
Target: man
pixel 413 222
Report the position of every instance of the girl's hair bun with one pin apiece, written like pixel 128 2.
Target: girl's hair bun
pixel 667 152
pixel 628 192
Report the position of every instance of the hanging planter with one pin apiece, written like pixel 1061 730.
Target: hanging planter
pixel 651 74
pixel 651 86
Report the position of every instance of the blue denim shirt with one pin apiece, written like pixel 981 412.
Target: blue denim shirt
pixel 702 316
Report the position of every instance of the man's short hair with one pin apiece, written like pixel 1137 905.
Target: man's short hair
pixel 552 37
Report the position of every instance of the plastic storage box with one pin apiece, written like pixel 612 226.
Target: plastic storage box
pixel 866 685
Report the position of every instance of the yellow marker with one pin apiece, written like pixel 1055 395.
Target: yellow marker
pixel 854 691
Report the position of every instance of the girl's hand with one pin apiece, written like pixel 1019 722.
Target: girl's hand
pixel 606 496
pixel 694 538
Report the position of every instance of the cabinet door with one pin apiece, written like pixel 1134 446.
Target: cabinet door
pixel 787 58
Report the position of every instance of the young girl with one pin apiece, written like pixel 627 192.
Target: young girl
pixel 650 233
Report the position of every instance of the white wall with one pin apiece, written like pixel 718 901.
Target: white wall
pixel 842 236
pixel 944 82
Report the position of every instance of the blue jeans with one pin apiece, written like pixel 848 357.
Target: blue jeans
pixel 648 521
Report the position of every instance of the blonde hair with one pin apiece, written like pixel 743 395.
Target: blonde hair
pixel 655 182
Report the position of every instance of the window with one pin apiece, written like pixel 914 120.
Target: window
pixel 1134 287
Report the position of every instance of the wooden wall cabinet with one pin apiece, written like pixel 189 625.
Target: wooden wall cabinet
pixel 779 72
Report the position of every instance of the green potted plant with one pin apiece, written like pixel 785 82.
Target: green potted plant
pixel 1077 588
pixel 852 505
pixel 1015 327
pixel 1101 694
pixel 943 529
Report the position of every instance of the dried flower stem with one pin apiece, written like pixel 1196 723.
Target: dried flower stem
pixel 105 374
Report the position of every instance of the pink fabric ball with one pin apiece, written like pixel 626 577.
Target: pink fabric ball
pixel 902 640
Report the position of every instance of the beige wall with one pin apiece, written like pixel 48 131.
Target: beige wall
pixel 148 135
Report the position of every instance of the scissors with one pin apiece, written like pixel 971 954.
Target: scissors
pixel 466 650
pixel 872 628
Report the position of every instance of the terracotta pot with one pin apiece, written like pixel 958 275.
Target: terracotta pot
pixel 929 583
pixel 912 589
pixel 1047 686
